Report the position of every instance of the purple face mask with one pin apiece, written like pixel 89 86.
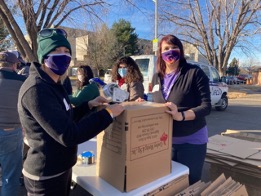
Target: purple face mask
pixel 58 63
pixel 171 56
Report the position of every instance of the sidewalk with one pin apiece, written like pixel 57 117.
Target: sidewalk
pixel 241 90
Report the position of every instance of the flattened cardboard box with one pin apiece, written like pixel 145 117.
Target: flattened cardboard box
pixel 171 188
pixel 136 148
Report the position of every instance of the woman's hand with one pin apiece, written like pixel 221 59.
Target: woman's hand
pixel 173 111
pixel 139 100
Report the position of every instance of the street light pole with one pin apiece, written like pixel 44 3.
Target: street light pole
pixel 156 23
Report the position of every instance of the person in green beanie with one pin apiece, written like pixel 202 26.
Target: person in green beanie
pixel 48 121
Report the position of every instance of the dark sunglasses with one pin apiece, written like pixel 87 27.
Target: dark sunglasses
pixel 49 32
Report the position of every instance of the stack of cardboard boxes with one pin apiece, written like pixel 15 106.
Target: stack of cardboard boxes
pixel 236 153
pixel 239 154
pixel 220 186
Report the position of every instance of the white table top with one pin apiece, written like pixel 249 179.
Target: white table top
pixel 85 176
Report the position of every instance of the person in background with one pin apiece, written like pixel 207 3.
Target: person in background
pixel 23 67
pixel 184 88
pixel 11 137
pixel 24 70
pixel 128 76
pixel 21 63
pixel 85 91
pixel 47 118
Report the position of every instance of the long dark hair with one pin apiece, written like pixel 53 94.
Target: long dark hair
pixel 87 73
pixel 133 71
pixel 170 39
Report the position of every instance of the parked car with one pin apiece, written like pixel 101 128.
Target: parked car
pixel 230 80
pixel 219 89
pixel 244 77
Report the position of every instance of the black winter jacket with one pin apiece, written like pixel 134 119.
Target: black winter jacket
pixel 47 119
pixel 190 91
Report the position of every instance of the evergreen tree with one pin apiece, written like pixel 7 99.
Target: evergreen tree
pixel 233 68
pixel 126 37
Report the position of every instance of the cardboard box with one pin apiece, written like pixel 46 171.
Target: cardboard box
pixel 136 148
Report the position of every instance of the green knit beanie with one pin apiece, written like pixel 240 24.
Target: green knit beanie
pixel 49 43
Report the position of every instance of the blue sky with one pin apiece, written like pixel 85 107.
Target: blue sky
pixel 143 21
pixel 141 18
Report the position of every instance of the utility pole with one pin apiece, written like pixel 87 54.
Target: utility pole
pixel 155 41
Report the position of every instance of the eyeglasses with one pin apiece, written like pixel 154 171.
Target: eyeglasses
pixel 49 32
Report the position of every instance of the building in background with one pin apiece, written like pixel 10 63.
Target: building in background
pixel 193 54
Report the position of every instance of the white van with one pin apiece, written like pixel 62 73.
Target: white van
pixel 218 89
pixel 108 76
pixel 147 65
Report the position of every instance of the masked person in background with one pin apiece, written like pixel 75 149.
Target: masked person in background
pixel 128 76
pixel 185 90
pixel 85 91
pixel 47 118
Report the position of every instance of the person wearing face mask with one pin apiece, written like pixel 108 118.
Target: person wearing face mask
pixel 47 118
pixel 85 91
pixel 128 76
pixel 184 88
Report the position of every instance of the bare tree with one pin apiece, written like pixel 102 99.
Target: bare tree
pixel 41 14
pixel 4 41
pixel 214 27
pixel 103 48
pixel 250 62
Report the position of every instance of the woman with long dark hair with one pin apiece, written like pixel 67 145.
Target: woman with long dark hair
pixel 127 74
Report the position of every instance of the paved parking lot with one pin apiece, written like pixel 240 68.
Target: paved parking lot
pixel 242 113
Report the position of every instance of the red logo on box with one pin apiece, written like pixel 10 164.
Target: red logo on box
pixel 164 138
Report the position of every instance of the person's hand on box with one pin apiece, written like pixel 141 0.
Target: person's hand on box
pixel 115 110
pixel 98 101
pixel 139 100
pixel 173 110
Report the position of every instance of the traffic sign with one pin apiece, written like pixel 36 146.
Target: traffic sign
pixel 155 45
